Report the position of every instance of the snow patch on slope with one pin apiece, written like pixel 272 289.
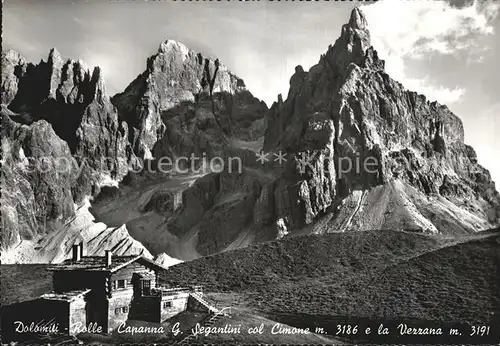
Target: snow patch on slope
pixel 96 237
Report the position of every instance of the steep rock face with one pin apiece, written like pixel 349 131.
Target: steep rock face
pixel 219 207
pixel 74 101
pixel 61 141
pixel 351 127
pixel 41 181
pixel 35 195
pixel 185 102
pixel 13 68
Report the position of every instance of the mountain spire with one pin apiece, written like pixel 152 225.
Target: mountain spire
pixel 352 45
pixel 358 19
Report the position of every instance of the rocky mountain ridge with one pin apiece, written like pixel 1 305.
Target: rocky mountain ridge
pixel 185 102
pixel 73 100
pixel 346 108
pixel 61 141
pixel 68 103
pixel 344 111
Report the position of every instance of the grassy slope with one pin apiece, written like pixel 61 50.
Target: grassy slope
pixel 336 255
pixel 376 274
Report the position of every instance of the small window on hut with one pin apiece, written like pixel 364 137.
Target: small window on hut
pixel 118 311
pixel 167 304
pixel 120 284
pixel 125 309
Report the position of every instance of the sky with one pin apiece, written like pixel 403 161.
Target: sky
pixel 447 50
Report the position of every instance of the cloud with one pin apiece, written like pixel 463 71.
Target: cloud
pixel 419 30
pixel 442 94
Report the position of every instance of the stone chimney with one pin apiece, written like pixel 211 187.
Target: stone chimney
pixel 76 253
pixel 108 255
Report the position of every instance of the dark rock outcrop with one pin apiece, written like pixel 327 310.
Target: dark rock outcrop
pixel 220 206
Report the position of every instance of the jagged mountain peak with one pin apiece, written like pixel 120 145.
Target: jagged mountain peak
pixel 169 45
pixel 358 19
pixel 94 74
pixel 174 77
pixel 56 58
pixel 347 106
pixel 61 104
pixel 100 84
pixel 14 65
pixel 70 81
pixel 54 55
pixel 357 29
pixel 13 55
pixel 173 54
pixel 71 97
pixel 353 46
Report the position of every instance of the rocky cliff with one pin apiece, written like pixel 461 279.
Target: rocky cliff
pixel 353 128
pixel 183 104
pixel 61 141
pixel 33 200
pixel 362 153
pixel 74 101
pixel 187 103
